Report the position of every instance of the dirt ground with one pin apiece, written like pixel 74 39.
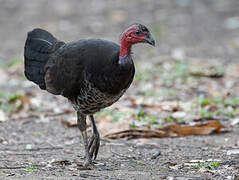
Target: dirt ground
pixel 38 148
pixel 55 148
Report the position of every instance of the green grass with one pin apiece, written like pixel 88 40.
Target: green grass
pixel 7 99
pixel 115 115
pixel 148 73
pixel 31 168
pixel 143 74
pixel 141 116
pixel 206 113
pixel 38 134
pixel 180 69
pixel 4 94
pixel 229 101
pixel 202 100
pixel 9 96
pixel 169 119
pixel 208 107
pixel 11 63
pixel 172 119
pixel 208 165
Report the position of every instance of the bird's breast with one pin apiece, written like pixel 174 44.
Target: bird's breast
pixel 90 99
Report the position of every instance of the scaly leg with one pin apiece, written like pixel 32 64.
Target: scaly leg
pixel 81 122
pixel 95 139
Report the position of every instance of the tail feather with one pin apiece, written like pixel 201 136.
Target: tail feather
pixel 39 45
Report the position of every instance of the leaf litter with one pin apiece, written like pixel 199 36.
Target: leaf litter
pixel 163 101
pixel 171 130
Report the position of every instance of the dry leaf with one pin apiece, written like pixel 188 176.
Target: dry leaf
pixel 20 103
pixel 212 70
pixel 136 133
pixel 171 130
pixel 69 122
pixel 198 129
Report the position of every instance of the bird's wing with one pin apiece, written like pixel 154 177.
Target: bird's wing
pixel 67 68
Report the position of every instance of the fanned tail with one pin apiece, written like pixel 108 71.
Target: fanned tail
pixel 39 45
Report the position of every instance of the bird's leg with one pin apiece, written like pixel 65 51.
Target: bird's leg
pixel 95 139
pixel 81 122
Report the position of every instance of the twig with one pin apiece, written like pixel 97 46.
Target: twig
pixel 36 149
pixel 13 167
pixel 28 154
pixel 46 148
pixel 21 167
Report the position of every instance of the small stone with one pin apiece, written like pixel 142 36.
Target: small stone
pixel 28 146
pixel 179 114
pixel 2 116
pixel 232 151
pixel 234 121
pixel 156 154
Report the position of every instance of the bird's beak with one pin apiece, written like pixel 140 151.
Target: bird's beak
pixel 149 39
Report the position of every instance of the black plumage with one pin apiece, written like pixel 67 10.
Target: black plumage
pixel 39 45
pixel 91 73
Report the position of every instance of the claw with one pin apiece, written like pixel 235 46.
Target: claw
pixel 91 141
pixel 96 152
pixel 94 145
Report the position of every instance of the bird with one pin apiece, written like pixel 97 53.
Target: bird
pixel 91 73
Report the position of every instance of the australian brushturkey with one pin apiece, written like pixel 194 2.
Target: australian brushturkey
pixel 91 73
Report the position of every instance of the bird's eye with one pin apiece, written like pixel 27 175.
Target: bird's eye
pixel 137 32
pixel 144 29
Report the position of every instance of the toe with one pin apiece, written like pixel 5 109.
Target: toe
pixel 96 151
pixel 95 147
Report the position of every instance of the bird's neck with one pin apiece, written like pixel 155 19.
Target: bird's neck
pixel 125 47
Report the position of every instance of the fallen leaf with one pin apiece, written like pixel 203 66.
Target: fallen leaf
pixel 19 103
pixel 137 133
pixel 171 130
pixel 198 129
pixel 69 122
pixel 211 72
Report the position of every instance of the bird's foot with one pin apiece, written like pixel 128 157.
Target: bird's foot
pixel 88 161
pixel 85 165
pixel 89 165
pixel 94 145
